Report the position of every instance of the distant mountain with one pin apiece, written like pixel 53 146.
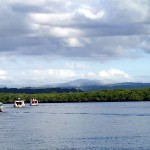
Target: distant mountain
pixel 93 85
pixel 80 83
pixel 117 86
pixel 75 86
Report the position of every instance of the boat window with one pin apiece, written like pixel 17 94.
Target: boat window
pixel 19 103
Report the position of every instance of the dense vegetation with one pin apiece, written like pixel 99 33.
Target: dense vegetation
pixel 29 90
pixel 97 96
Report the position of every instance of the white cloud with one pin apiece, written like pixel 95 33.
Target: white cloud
pixel 3 75
pixel 61 73
pixel 87 12
pixel 75 65
pixel 40 77
pixel 73 42
pixel 89 75
pixel 114 76
pixel 52 73
pixel 52 18
pixel 65 32
pixel 112 73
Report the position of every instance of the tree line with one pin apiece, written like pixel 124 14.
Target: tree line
pixel 118 95
pixel 29 90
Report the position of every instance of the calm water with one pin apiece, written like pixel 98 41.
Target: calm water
pixel 76 126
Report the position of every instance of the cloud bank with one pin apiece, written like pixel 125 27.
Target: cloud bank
pixel 91 30
pixel 35 34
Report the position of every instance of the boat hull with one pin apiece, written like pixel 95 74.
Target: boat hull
pixel 34 104
pixel 19 106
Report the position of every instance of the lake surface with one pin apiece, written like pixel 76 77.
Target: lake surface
pixel 76 126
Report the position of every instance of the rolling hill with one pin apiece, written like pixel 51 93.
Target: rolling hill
pixel 93 85
pixel 75 86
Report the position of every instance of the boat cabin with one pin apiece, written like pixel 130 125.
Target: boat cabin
pixel 19 103
pixel 33 102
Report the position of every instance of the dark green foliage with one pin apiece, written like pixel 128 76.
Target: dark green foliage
pixel 37 90
pixel 96 96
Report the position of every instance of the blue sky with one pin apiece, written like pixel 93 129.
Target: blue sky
pixel 52 41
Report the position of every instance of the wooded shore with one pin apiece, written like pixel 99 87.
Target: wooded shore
pixel 119 95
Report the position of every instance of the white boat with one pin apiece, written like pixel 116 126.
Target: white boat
pixel 33 102
pixel 1 107
pixel 19 103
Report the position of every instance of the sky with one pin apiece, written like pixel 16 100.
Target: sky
pixel 54 41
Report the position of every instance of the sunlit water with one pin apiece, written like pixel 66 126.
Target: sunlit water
pixel 76 126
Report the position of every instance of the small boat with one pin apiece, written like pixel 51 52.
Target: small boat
pixel 1 107
pixel 33 102
pixel 19 103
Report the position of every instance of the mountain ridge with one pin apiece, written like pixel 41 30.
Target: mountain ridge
pixel 92 85
pixel 76 86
